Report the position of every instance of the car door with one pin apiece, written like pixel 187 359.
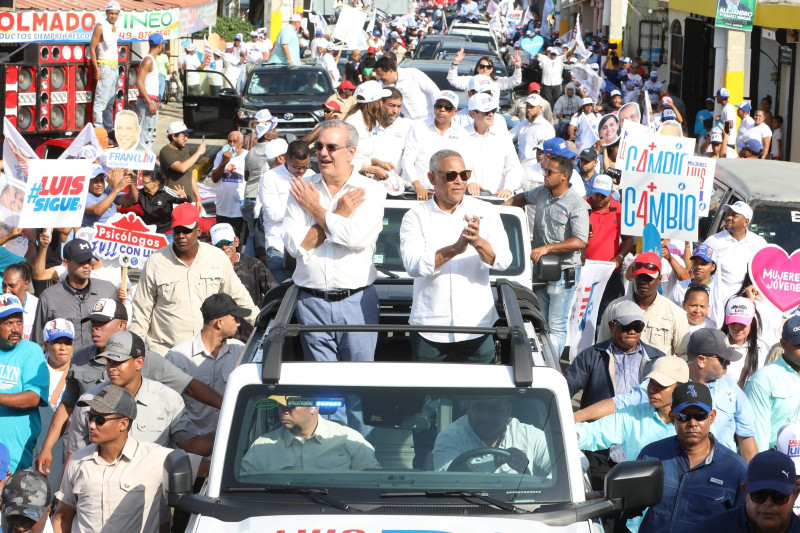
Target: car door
pixel 210 102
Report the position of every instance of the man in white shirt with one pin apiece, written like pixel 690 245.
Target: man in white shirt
pixel 331 226
pixel 491 156
pixel 418 90
pixel 228 174
pixel 190 62
pixel 448 244
pixel 327 61
pixel 552 68
pixel 479 83
pixel 389 136
pixel 318 45
pixel 747 123
pixel 273 192
pixel 727 115
pixel 653 88
pixel 590 118
pixel 532 132
pixel 428 137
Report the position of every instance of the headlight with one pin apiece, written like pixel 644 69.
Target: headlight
pixel 319 114
pixel 245 114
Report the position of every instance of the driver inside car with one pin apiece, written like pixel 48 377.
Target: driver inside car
pixel 312 85
pixel 488 439
pixel 306 441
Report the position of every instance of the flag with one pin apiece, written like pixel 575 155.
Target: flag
pixel 548 17
pixel 16 153
pixel 586 134
pixel 647 116
pixel 586 304
pixel 371 25
pixel 580 49
pixel 592 83
pixel 206 53
pixel 78 148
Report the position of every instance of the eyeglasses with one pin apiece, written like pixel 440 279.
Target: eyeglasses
pixel 723 362
pixel 485 66
pixel 183 230
pixel 647 266
pixel 446 107
pixel 490 112
pixel 694 285
pixel 451 175
pixel 99 420
pixel 223 244
pixel 302 168
pixel 685 417
pixel 636 325
pixel 547 172
pixel 760 496
pixel 329 147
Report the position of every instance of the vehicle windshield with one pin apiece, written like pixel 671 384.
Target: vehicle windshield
pixel 266 83
pixel 505 441
pixel 778 224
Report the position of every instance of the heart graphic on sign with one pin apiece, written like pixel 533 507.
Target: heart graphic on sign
pixel 777 276
pixel 532 46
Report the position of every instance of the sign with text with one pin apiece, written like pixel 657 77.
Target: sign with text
pixel 703 169
pixel 777 276
pixel 349 26
pixel 735 14
pixel 55 195
pixel 671 205
pixel 127 238
pixel 642 151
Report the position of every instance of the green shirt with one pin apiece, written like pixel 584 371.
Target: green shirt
pixel 162 61
pixel 774 393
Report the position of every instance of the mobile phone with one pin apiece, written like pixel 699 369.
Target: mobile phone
pixel 727 127
pixel 569 278
pixel 204 139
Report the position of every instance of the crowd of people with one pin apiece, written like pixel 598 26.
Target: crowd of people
pixel 100 379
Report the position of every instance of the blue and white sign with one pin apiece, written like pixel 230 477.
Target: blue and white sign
pixel 640 150
pixel 671 205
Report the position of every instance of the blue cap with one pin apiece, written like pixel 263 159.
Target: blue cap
pixel 722 92
pixel 376 32
pixel 667 113
pixel 238 37
pixel 704 252
pixel 557 146
pixel 9 305
pixel 156 39
pixel 318 32
pixel 603 184
pixel 5 460
pixel 791 330
pixel 744 106
pixel 771 470
pixel 653 74
pixel 754 145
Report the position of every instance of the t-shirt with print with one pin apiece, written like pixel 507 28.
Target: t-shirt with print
pixel 230 189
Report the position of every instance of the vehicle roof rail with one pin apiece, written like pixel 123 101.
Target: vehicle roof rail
pixel 276 338
pixel 521 356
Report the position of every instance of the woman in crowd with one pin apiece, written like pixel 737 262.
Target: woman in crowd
pixel 485 66
pixel 742 325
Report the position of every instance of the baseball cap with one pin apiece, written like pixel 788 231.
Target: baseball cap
pixel 716 136
pixel 602 184
pixel 222 304
pixel 26 493
pixel 668 370
pixel 594 66
pixel 218 53
pixel 264 127
pixel 97 170
pixel 238 37
pixel 112 399
pixel 587 100
pixel 789 442
pixel 704 252
pixel 5 460
pixel 371 50
pixel 588 154
pixel 688 394
pixel 710 100
pixel 481 102
pixel 754 145
pixel 263 115
pixel 113 6
pixel 791 330
pixel 331 46
pixel 276 148
pixel 295 17
pixel 708 341
pixel 318 32
pixel 222 232
pixel 122 346
pixel 739 207
pixel 177 127
pixel 323 43
pixel 771 470
pixel 253 33
pixel 534 87
pixel 534 100
pixel 347 84
pixel 448 96
pixel 190 47
pixel 9 305
pixel 78 250
pixel 184 215
pixel 740 310
pixel 228 46
pixel 333 105
pixel 653 74
pixel 156 39
pixel 614 93
pixel 667 113
pixel 626 312
pixel 56 329
pixel 480 83
pixel 648 258
pixel 628 85
pixel 744 106
pixel 722 92
pixel 557 146
pixel 370 91
pixel 626 60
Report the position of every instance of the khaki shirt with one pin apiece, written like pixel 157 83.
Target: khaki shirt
pixel 192 357
pixel 666 326
pixel 331 447
pixel 161 417
pixel 166 307
pixel 344 103
pixel 124 495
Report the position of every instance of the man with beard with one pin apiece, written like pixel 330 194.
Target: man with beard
pixel 24 383
pixel 177 162
pixel 389 136
pixel 533 131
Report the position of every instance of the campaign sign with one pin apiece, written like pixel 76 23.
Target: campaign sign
pixel 55 194
pixel 777 276
pixel 671 205
pixel 735 14
pixel 703 169
pixel 642 151
pixel 127 238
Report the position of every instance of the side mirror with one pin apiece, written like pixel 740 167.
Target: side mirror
pixel 228 91
pixel 548 268
pixel 177 477
pixel 635 484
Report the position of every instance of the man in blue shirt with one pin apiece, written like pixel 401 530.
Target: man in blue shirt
pixel 24 385
pixel 702 116
pixel 701 479
pixel 287 45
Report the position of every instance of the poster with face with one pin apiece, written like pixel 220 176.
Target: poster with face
pixel 629 111
pixel 608 129
pixel 130 153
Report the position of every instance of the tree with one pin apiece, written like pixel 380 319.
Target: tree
pixel 227 28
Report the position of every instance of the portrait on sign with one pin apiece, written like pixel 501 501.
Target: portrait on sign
pixel 130 153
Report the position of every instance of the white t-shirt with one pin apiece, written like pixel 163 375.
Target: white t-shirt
pixel 729 114
pixel 230 189
pixel 55 378
pixel 191 62
pixel 777 135
pixel 760 132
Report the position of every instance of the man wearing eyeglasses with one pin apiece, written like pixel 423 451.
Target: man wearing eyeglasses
pixel 331 226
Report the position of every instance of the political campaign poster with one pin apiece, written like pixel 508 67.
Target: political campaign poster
pixel 585 134
pixel 16 153
pixel 670 203
pixel 608 129
pixel 349 26
pixel 591 83
pixel 735 14
pixel 130 153
pixel 55 194
pixel 586 305
pixel 640 150
pixel 127 238
pixel 777 275
pixel 703 169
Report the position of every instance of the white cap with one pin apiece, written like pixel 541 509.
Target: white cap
pixel 666 100
pixel 448 96
pixel 177 127
pixel 789 442
pixel 322 43
pixel 228 45
pixel 263 115
pixel 534 100
pixel 295 17
pixel 481 102
pixel 480 83
pixel 222 232
pixel 370 91
pixel 253 34
pixel 264 127
pixel 113 6
pixel 218 52
pixel 331 46
pixel 716 136
pixel 97 170
pixel 741 208
pixel 594 66
pixel 615 93
pixel 587 100
pixel 276 148
pixel 190 48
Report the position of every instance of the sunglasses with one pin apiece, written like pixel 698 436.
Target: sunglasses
pixel 99 420
pixel 223 244
pixel 490 112
pixel 760 496
pixel 329 147
pixel 485 66
pixel 451 175
pixel 302 168
pixel 183 230
pixel 547 172
pixel 648 266
pixel 724 362
pixel 446 107
pixel 636 325
pixel 685 417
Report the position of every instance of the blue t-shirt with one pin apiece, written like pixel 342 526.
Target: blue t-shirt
pixel 7 259
pixel 287 36
pixel 703 114
pixel 91 199
pixel 22 369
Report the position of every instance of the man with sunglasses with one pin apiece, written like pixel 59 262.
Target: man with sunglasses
pixel 418 90
pixel 770 493
pixel 701 479
pixel 478 84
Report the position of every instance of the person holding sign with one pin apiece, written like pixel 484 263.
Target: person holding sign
pixel 102 201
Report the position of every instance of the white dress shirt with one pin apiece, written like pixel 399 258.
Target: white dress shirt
pixel 424 140
pixel 344 259
pixel 732 258
pixel 273 193
pixel 388 143
pixel 464 119
pixel 493 161
pixel 419 93
pixel 529 134
pixel 551 69
pixel 458 292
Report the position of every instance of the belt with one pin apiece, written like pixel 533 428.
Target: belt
pixel 153 98
pixel 335 295
pixel 109 62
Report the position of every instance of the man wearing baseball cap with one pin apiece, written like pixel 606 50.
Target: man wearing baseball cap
pixel 774 390
pixel 520 105
pixel 701 479
pixel 751 149
pixel 343 97
pixel 104 56
pixel 653 88
pixel 255 163
pixel 728 115
pixel 25 503
pixel 585 115
pixel 531 131
pixel 287 45
pixel 747 123
pixel 789 444
pixel 735 246
pixel 552 66
pixel 666 327
pixel 178 162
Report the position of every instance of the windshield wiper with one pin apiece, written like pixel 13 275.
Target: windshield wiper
pixel 464 494
pixel 318 495
pixel 386 272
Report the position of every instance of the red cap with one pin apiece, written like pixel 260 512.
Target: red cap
pixel 347 84
pixel 332 105
pixel 371 50
pixel 647 258
pixel 534 87
pixel 185 215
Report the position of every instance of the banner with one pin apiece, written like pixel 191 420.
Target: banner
pixel 127 238
pixel 777 276
pixel 640 150
pixel 737 15
pixel 56 193
pixel 85 146
pixel 671 205
pixel 703 168
pixel 77 26
pixel 586 304
pixel 586 134
pixel 591 83
pixel 349 26
pixel 130 153
pixel 16 153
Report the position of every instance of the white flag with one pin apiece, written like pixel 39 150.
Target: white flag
pixel 16 153
pixel 78 149
pixel 586 304
pixel 592 83
pixel 580 49
pixel 586 134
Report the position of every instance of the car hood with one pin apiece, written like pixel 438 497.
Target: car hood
pixel 284 101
